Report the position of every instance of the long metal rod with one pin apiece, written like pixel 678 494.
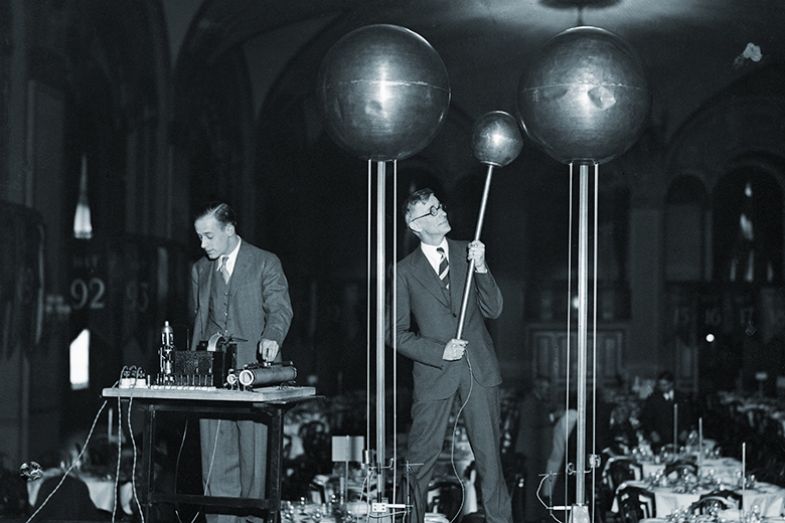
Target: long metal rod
pixel 470 272
pixel 394 335
pixel 594 341
pixel 380 286
pixel 368 274
pixel 583 236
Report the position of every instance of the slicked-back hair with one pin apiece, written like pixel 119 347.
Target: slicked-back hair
pixel 420 195
pixel 222 213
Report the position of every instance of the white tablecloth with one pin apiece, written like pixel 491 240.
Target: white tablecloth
pixel 766 496
pixel 724 469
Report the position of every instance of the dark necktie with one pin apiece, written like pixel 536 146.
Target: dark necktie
pixel 444 269
pixel 223 269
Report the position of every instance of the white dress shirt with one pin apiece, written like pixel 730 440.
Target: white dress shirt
pixel 433 256
pixel 232 258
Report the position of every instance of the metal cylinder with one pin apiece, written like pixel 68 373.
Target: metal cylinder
pixel 266 376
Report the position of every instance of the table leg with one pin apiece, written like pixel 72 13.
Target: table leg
pixel 149 443
pixel 274 450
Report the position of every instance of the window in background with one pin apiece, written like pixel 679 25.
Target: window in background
pixel 80 361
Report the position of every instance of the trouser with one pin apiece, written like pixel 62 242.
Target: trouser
pixel 234 461
pixel 482 418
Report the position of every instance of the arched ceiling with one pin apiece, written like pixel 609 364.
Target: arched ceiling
pixel 690 50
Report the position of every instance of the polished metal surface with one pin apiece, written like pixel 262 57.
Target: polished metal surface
pixel 586 97
pixel 383 92
pixel 496 139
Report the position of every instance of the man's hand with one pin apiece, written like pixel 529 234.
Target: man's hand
pixel 454 349
pixel 477 253
pixel 268 349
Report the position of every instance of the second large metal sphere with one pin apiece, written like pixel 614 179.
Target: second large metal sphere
pixel 383 91
pixel 496 139
pixel 586 98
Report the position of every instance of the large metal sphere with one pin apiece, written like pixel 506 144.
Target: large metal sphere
pixel 496 139
pixel 383 91
pixel 586 98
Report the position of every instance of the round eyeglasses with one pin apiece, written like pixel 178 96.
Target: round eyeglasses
pixel 433 211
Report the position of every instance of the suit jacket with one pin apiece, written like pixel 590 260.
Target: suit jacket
pixel 259 300
pixel 657 415
pixel 425 322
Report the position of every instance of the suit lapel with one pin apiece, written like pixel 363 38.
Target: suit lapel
pixel 427 276
pixel 205 284
pixel 458 268
pixel 242 267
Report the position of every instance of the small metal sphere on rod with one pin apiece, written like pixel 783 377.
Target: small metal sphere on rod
pixel 496 142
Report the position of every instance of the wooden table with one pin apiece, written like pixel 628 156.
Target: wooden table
pixel 266 405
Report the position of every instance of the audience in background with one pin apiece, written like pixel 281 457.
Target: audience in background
pixel 72 500
pixel 537 414
pixel 560 488
pixel 659 411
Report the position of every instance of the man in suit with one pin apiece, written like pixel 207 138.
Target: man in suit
pixel 658 412
pixel 239 291
pixel 430 286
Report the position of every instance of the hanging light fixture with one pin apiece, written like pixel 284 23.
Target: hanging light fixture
pixel 83 226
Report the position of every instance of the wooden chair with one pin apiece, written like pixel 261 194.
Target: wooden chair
pixel 445 496
pixel 635 503
pixel 620 469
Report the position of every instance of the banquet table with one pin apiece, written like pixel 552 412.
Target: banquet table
pixel 769 498
pixel 723 469
pixel 730 515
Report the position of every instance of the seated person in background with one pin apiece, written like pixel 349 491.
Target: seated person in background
pixel 537 414
pixel 71 501
pixel 658 412
pixel 557 487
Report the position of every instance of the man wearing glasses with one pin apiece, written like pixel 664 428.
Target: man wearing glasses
pixel 430 286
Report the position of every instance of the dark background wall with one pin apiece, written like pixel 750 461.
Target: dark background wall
pixel 173 104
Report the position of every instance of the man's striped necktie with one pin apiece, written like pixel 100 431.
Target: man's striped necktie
pixel 444 269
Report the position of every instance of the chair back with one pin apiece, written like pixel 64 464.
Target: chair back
pixel 620 469
pixel 635 503
pixel 445 496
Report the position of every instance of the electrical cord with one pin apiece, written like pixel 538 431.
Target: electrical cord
pixel 177 467
pixel 212 458
pixel 210 467
pixel 542 501
pixel 133 466
pixel 71 466
pixel 454 430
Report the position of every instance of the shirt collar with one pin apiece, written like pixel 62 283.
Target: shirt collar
pixel 232 257
pixel 432 255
